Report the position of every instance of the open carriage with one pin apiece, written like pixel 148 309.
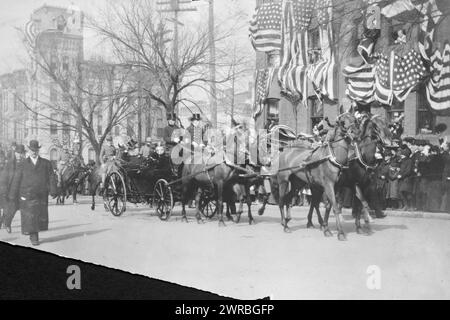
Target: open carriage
pixel 153 181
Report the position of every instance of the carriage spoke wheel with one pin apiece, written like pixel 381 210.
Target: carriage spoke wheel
pixel 163 199
pixel 208 207
pixel 115 194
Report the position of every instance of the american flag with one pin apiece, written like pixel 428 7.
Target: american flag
pixel 294 52
pixel 263 79
pixel 360 78
pixel 396 76
pixel 438 85
pixel 31 33
pixel 265 28
pixel 323 72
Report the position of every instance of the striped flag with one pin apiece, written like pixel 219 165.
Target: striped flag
pixel 323 72
pixel 360 77
pixel 265 28
pixel 396 76
pixel 292 74
pixel 263 79
pixel 438 88
pixel 438 85
pixel 31 34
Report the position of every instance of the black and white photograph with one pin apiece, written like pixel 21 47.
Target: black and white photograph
pixel 254 150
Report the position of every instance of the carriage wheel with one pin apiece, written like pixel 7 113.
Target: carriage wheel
pixel 115 194
pixel 163 199
pixel 208 207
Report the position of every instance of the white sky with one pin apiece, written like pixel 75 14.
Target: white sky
pixel 15 13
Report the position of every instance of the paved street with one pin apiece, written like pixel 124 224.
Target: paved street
pixel 247 262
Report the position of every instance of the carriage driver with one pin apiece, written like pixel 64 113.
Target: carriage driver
pixel 168 136
pixel 63 161
pixel 107 155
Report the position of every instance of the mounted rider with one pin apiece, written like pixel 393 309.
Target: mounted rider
pixel 322 130
pixel 63 161
pixel 107 156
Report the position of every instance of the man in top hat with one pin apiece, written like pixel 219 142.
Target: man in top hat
pixel 107 155
pixel 33 182
pixel 6 179
pixel 196 133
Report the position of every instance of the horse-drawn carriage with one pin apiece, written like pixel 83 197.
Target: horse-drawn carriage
pixel 154 181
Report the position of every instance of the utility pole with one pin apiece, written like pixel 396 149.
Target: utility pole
pixel 212 65
pixel 174 6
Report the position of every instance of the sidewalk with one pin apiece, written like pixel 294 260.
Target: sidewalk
pixel 418 214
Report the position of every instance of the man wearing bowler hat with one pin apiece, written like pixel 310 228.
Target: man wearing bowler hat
pixel 6 179
pixel 32 185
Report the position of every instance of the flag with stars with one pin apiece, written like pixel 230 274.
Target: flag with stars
pixel 265 28
pixel 292 74
pixel 263 79
pixel 396 76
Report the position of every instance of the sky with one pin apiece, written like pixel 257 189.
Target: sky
pixel 15 13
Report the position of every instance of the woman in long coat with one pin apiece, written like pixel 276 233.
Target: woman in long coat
pixel 32 184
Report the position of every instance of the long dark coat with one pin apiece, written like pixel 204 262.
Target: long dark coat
pixel 33 184
pixel 406 182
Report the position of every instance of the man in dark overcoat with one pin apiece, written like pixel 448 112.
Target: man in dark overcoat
pixel 32 184
pixel 6 178
pixel 405 178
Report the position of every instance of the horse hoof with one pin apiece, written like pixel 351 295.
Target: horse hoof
pixel 342 237
pixel 310 225
pixel 230 218
pixel 238 219
pixel 184 219
pixel 251 221
pixel 200 221
pixel 222 223
pixel 322 228
pixel 287 230
pixel 328 233
pixel 360 231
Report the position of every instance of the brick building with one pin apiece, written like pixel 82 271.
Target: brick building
pixel 418 118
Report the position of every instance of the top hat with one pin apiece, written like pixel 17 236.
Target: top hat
pixel 20 148
pixel 195 116
pixel 34 145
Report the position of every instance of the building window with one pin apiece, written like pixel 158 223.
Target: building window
pixel 99 124
pixel 91 154
pixel 316 108
pixel 425 118
pixel 53 124
pixel 66 63
pixel 273 117
pixel 54 157
pixel 53 93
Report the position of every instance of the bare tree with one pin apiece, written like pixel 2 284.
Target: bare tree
pixel 137 35
pixel 88 98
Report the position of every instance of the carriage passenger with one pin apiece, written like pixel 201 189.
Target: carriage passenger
pixel 146 149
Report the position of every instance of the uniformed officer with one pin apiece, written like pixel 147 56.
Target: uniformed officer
pixel 168 136
pixel 196 134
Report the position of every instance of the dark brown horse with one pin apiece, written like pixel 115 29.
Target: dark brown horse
pixel 374 131
pixel 207 172
pixel 71 179
pixel 300 166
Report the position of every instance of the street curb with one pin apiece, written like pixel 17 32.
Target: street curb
pixel 423 215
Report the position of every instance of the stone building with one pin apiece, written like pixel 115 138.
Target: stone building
pixel 59 45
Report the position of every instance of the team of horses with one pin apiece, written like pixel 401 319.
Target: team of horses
pixel 345 159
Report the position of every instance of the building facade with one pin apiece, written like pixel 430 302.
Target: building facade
pixel 45 114
pixel 418 118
